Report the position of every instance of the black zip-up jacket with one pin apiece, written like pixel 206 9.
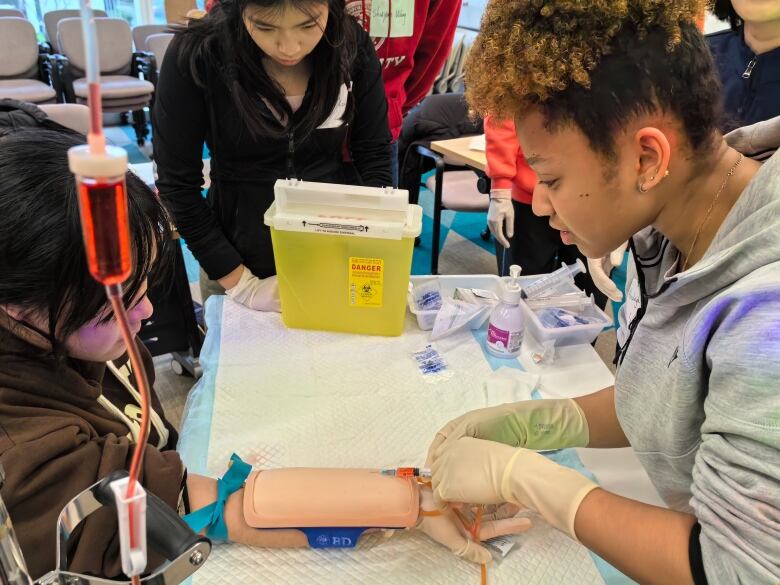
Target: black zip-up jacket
pixel 751 83
pixel 227 229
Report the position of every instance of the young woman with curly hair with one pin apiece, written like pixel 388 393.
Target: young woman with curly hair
pixel 616 105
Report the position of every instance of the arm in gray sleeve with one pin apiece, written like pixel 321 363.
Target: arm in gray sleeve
pixel 736 475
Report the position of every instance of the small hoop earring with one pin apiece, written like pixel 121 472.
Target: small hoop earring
pixel 642 188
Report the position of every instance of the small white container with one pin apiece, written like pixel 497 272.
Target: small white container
pixel 572 335
pixel 575 335
pixel 448 284
pixel 507 321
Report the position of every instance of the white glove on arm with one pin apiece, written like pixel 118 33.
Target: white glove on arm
pixel 501 216
pixel 260 294
pixel 599 269
pixel 440 523
pixel 484 472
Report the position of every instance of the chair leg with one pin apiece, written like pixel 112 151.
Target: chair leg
pixel 437 207
pixel 139 124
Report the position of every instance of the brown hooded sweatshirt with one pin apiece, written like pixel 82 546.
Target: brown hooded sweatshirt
pixel 57 439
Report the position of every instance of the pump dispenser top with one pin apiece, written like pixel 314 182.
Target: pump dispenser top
pixel 511 292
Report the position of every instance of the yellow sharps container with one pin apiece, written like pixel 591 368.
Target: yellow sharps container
pixel 343 255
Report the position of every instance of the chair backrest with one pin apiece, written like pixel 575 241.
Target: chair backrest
pixel 52 19
pixel 114 43
pixel 143 32
pixel 19 48
pixel 11 12
pixel 158 44
pixel 176 10
pixel 73 116
pixel 440 117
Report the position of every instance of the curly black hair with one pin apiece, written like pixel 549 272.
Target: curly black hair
pixel 596 64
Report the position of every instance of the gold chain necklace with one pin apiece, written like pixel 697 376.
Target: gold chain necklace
pixel 709 211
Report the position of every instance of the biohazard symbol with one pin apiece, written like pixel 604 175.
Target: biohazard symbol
pixel 367 291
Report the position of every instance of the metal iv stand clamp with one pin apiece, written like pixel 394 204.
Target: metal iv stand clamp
pixel 167 534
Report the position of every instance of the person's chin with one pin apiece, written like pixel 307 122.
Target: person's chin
pixel 288 62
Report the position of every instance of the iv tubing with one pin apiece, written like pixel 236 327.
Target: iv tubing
pixel 95 138
pixel 472 529
pixel 114 293
pixel 97 146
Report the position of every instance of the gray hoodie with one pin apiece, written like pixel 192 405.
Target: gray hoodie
pixel 698 387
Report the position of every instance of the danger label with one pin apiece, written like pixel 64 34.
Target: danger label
pixel 366 281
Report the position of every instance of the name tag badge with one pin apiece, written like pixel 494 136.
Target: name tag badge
pixel 335 119
pixel 392 18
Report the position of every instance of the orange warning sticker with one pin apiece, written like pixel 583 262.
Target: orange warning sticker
pixel 366 280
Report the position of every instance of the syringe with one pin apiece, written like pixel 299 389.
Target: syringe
pixel 563 301
pixel 552 281
pixel 406 472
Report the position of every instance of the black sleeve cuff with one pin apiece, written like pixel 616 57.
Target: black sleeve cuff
pixel 184 506
pixel 694 556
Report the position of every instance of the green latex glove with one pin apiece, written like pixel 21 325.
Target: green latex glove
pixel 532 424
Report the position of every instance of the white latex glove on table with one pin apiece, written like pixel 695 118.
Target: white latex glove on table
pixel 260 294
pixel 599 269
pixel 501 216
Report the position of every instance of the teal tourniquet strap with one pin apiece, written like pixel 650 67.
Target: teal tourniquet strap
pixel 212 517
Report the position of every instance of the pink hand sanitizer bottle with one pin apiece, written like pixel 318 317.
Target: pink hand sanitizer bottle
pixel 507 322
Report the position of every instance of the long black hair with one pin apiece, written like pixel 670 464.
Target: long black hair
pixel 221 41
pixel 724 10
pixel 43 266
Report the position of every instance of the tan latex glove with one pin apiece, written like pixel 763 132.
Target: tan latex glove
pixel 533 424
pixel 501 216
pixel 484 472
pixel 260 294
pixel 599 269
pixel 440 523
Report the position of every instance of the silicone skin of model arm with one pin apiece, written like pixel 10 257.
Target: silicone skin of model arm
pixel 273 503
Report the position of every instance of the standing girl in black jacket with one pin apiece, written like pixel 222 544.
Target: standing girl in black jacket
pixel 275 88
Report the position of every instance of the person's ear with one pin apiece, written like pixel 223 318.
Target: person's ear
pixel 653 150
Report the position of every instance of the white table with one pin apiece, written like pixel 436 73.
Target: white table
pixel 282 397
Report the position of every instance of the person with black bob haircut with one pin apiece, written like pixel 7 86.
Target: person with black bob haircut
pixel 616 107
pixel 277 89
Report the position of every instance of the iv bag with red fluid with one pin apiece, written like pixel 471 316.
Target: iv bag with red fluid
pixel 103 204
pixel 100 180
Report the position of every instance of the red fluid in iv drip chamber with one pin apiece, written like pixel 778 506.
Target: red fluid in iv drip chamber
pixel 106 232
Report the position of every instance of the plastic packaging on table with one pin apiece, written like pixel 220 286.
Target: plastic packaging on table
pixel 482 287
pixel 431 365
pixel 500 546
pixel 565 326
pixel 553 317
pixel 454 316
pixel 427 295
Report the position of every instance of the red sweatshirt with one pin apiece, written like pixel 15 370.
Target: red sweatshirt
pixel 506 164
pixel 411 64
